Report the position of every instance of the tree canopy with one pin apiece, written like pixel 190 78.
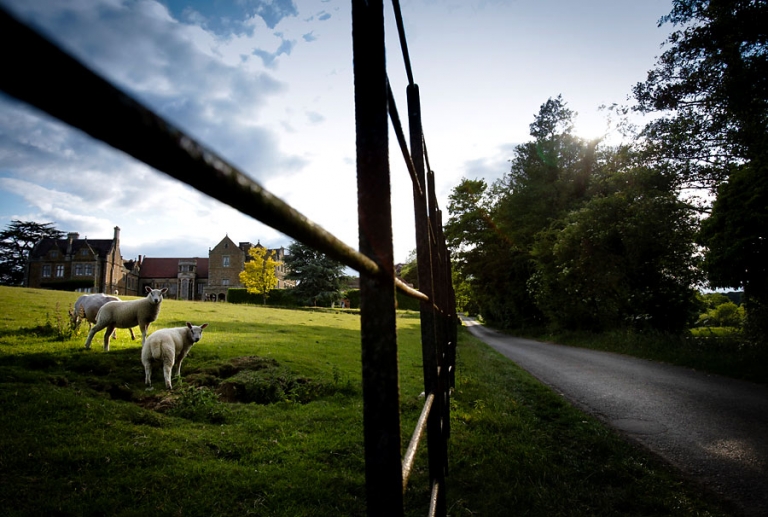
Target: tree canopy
pixel 318 277
pixel 577 235
pixel 16 241
pixel 709 90
pixel 259 275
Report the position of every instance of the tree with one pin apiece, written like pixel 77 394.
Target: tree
pixel 318 277
pixel 711 89
pixel 259 274
pixel 625 259
pixel 486 268
pixel 410 270
pixel 735 237
pixel 577 235
pixel 16 242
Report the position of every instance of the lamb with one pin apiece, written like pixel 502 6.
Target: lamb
pixel 88 305
pixel 171 346
pixel 128 314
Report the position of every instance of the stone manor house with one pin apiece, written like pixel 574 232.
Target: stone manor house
pixel 97 266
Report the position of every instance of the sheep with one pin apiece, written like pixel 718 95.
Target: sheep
pixel 171 347
pixel 88 305
pixel 126 315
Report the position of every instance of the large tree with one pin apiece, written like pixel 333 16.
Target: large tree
pixel 577 235
pixel 16 241
pixel 709 91
pixel 626 258
pixel 318 277
pixel 259 275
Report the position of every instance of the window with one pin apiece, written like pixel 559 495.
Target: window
pixel 88 270
pixel 225 281
pixel 46 270
pixel 225 261
pixel 84 252
pixel 59 270
pixel 54 254
pixel 78 270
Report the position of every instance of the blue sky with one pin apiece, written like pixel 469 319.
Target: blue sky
pixel 268 85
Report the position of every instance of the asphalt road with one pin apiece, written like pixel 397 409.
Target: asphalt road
pixel 712 428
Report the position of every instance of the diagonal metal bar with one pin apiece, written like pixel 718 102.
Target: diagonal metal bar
pixel 413 445
pixel 403 41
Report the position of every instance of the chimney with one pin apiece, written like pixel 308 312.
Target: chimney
pixel 117 234
pixel 71 237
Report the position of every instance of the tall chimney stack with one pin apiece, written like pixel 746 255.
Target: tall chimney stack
pixel 70 239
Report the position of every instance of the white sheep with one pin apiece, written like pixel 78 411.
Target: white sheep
pixel 87 307
pixel 171 347
pixel 128 314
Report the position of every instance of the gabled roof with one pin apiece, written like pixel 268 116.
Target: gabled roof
pixel 169 267
pixel 226 243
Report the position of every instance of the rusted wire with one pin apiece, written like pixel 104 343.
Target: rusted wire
pixel 413 445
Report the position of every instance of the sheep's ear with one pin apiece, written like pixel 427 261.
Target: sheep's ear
pixel 147 289
pixel 164 290
pixel 203 325
pixel 189 325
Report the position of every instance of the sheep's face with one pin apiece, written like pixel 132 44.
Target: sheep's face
pixel 195 332
pixel 155 296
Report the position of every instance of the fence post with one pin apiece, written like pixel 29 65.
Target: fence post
pixel 429 347
pixel 381 397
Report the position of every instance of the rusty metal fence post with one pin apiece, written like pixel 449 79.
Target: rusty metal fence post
pixel 381 393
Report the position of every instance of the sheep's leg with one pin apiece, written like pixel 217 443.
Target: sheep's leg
pixel 146 360
pixel 133 337
pixel 168 357
pixel 178 363
pixel 108 335
pixel 144 329
pixel 147 371
pixel 167 367
pixel 97 327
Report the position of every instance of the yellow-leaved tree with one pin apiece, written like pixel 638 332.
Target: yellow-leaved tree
pixel 259 274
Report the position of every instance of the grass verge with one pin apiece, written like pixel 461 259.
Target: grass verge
pixel 715 351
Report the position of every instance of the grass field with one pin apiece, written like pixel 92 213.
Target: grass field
pixel 267 420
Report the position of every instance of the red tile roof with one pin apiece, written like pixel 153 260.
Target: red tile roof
pixel 169 267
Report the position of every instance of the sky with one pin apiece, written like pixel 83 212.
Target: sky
pixel 268 85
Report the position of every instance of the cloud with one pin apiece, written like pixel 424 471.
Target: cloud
pixel 269 57
pixel 227 17
pixel 492 167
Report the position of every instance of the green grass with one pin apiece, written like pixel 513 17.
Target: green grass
pixel 267 420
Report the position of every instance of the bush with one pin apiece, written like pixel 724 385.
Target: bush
pixel 403 301
pixel 199 404
pixel 275 297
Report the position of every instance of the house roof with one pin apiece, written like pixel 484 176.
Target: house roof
pixel 169 267
pixel 101 247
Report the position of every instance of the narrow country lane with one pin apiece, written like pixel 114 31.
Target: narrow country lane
pixel 713 428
